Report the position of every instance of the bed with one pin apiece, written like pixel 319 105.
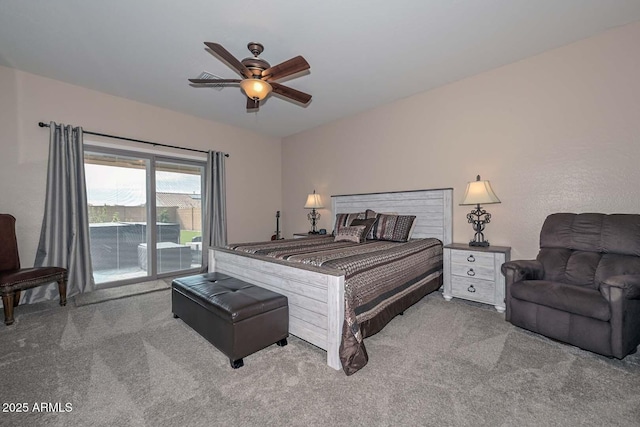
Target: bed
pixel 317 294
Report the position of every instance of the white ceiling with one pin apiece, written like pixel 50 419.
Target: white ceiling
pixel 363 53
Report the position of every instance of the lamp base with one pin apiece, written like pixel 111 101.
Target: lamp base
pixel 479 218
pixel 313 216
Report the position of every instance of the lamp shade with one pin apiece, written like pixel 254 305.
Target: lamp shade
pixel 255 88
pixel 313 201
pixel 479 193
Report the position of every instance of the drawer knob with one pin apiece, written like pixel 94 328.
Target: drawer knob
pixel 471 289
pixel 470 272
pixel 471 258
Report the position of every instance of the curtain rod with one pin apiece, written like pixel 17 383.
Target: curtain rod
pixel 44 125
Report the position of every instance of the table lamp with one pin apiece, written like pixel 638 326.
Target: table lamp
pixel 313 202
pixel 479 193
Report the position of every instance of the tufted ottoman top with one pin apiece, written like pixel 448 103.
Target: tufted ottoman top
pixel 227 297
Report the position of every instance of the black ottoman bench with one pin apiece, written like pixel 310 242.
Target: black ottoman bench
pixel 235 316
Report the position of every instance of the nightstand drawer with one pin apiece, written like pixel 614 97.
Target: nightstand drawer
pixel 474 289
pixel 474 271
pixel 472 258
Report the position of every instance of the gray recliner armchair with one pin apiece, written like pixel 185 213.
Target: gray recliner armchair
pixel 584 286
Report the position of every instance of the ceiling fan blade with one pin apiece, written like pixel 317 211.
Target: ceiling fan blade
pixel 288 92
pixel 286 68
pixel 252 104
pixel 214 81
pixel 231 60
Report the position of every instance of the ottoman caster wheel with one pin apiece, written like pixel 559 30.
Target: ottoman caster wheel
pixel 235 364
pixel 175 316
pixel 282 342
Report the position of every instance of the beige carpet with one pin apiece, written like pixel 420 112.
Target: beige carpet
pixel 128 362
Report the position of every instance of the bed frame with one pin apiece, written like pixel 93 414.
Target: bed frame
pixel 316 296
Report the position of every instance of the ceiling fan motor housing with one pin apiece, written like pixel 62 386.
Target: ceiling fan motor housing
pixel 255 64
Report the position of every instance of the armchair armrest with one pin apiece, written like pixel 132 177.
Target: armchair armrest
pixel 515 271
pixel 629 284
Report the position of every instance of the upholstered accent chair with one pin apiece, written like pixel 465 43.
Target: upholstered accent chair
pixel 584 286
pixel 13 279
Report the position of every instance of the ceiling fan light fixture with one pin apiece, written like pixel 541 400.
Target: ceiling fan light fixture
pixel 255 88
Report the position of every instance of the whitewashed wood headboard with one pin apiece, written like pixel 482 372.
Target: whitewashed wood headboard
pixel 433 209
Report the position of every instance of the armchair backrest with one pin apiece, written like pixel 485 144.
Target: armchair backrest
pixel 586 249
pixel 9 258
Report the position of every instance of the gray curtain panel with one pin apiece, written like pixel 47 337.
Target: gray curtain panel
pixel 215 205
pixel 64 236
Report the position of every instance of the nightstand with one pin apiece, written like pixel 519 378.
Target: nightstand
pixel 473 273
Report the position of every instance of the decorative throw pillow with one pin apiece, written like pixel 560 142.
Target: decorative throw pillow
pixel 344 220
pixel 395 228
pixel 368 214
pixel 368 223
pixel 350 234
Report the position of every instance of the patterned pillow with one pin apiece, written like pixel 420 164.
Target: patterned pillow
pixel 368 223
pixel 344 219
pixel 368 214
pixel 350 234
pixel 395 228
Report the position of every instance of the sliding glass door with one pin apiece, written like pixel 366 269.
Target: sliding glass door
pixel 178 210
pixel 124 190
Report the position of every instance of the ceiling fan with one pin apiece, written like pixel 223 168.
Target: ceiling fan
pixel 258 76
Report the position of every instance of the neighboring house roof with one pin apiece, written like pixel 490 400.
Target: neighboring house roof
pixel 176 199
